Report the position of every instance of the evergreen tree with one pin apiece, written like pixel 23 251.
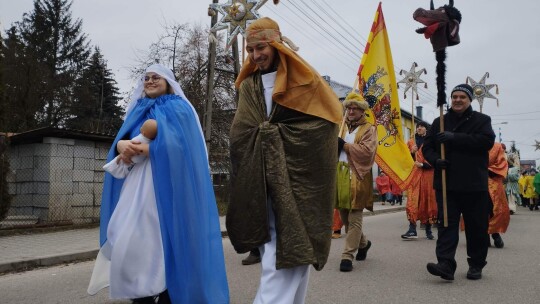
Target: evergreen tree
pixel 95 107
pixel 22 84
pixel 57 43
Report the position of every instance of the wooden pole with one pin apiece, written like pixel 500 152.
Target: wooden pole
pixel 443 171
pixel 413 130
pixel 207 123
pixel 236 58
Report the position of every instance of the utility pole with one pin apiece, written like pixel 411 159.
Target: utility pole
pixel 236 65
pixel 207 124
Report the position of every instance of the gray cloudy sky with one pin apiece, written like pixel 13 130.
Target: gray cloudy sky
pixel 499 37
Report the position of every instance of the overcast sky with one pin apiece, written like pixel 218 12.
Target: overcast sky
pixel 499 37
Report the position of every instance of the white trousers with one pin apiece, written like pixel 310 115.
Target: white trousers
pixel 283 286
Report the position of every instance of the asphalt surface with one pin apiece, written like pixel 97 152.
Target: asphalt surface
pixel 27 251
pixel 394 272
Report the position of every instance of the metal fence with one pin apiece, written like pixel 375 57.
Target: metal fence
pixel 54 182
pixel 59 182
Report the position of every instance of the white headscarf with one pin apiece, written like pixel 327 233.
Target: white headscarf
pixel 168 75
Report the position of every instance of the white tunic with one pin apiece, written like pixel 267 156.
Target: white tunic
pixel 268 81
pixel 132 260
pixel 349 138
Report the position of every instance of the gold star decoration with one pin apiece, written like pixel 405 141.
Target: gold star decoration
pixel 412 79
pixel 481 90
pixel 237 15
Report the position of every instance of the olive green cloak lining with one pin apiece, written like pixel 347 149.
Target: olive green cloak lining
pixel 289 158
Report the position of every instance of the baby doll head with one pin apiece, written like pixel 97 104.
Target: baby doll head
pixel 149 129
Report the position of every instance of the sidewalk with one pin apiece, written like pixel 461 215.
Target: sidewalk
pixel 23 252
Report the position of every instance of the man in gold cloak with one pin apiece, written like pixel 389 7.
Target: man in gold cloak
pixel 283 143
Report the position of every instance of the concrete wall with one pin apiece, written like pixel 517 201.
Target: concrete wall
pixel 57 180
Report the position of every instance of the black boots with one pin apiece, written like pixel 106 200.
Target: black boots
pixel 442 270
pixel 362 252
pixel 345 266
pixel 497 240
pixel 474 273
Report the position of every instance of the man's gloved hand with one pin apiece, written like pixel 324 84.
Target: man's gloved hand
pixel 340 144
pixel 442 163
pixel 445 136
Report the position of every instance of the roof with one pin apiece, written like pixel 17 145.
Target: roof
pixel 342 90
pixel 37 135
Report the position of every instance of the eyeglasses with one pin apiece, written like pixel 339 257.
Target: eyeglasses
pixel 352 109
pixel 152 78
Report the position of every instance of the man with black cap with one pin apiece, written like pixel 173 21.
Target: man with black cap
pixel 467 138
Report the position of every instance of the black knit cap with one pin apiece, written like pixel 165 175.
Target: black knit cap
pixel 465 88
pixel 423 124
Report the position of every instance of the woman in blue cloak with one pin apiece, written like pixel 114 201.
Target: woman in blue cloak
pixel 160 235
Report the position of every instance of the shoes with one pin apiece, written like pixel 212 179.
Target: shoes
pixel 441 270
pixel 362 252
pixel 145 300
pixel 384 203
pixel 474 273
pixel 429 233
pixel 336 235
pixel 512 212
pixel 251 259
pixel 497 240
pixel 409 235
pixel 345 266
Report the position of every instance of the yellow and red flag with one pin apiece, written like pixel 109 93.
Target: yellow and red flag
pixel 377 83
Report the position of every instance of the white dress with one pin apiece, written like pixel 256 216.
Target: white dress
pixel 132 260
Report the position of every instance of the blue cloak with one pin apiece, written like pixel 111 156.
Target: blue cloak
pixel 191 235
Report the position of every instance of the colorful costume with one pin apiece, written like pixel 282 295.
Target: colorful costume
pixel 421 202
pixel 383 186
pixel 276 152
pixel 512 188
pixel 498 168
pixel 159 227
pixel 355 182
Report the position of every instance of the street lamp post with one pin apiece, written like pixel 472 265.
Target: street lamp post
pixel 500 123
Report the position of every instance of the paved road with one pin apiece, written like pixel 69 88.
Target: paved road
pixel 394 272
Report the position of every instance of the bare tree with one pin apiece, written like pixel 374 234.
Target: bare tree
pixel 184 48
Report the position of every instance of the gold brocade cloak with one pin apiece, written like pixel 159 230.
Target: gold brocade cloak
pixel 361 157
pixel 289 158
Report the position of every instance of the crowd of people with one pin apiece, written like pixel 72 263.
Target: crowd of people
pixel 308 167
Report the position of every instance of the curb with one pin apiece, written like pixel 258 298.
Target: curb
pixel 45 261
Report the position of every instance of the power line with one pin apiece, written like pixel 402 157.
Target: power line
pixel 424 93
pixel 516 114
pixel 326 49
pixel 355 55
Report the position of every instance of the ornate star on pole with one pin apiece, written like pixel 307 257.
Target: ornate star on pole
pixel 537 145
pixel 237 15
pixel 481 90
pixel 412 79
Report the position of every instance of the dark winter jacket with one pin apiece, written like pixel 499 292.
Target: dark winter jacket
pixel 467 153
